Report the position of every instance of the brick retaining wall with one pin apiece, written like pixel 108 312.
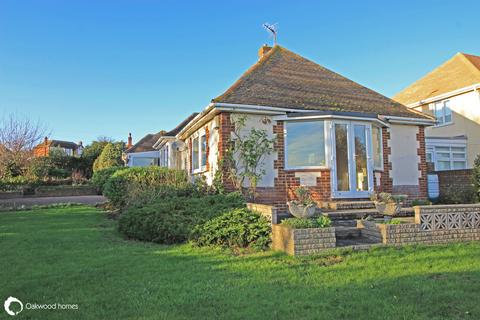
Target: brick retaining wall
pixel 302 241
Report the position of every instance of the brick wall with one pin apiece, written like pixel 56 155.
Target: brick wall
pixel 422 166
pixel 386 183
pixel 302 241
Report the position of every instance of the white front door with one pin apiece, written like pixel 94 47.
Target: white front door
pixel 352 174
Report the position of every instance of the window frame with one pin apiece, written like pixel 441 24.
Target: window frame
pixel 380 168
pixel 198 136
pixel 444 105
pixel 436 158
pixel 285 141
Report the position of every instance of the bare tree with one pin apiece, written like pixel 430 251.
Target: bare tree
pixel 18 136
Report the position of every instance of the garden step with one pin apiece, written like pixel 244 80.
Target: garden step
pixel 347 205
pixel 362 213
pixel 348 232
pixel 344 223
pixel 360 243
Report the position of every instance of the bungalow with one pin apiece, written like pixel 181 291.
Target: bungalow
pixel 450 93
pixel 70 148
pixel 338 138
pixel 142 153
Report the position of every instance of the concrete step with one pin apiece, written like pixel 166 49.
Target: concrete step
pixel 357 244
pixel 348 232
pixel 347 205
pixel 344 223
pixel 362 213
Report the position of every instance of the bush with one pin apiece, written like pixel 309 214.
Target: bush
pixel 297 223
pixel 111 156
pixel 133 183
pixel 455 195
pixel 476 177
pixel 17 183
pixel 173 219
pixel 237 228
pixel 100 177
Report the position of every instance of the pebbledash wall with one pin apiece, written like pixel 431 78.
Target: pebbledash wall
pixel 404 161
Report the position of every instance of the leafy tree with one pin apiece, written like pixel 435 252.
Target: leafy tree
pixel 111 156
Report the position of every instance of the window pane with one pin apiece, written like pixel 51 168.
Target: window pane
pixel 429 157
pixel 443 155
pixel 459 165
pixel 447 149
pixel 361 157
pixel 305 144
pixel 377 146
pixel 204 150
pixel 439 112
pixel 458 149
pixel 459 156
pixel 447 112
pixel 341 151
pixel 443 165
pixel 195 153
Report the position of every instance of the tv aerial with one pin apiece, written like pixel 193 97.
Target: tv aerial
pixel 273 30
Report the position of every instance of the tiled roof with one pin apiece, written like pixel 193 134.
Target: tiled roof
pixel 178 128
pixel 282 78
pixel 146 143
pixel 461 71
pixel 63 144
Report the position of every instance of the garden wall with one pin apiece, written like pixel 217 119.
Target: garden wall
pixel 433 225
pixel 65 191
pixel 302 241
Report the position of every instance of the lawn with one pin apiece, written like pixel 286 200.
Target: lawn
pixel 75 256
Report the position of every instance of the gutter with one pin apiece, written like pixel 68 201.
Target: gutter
pixel 405 120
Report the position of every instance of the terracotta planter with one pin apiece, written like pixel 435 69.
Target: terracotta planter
pixel 380 206
pixel 301 211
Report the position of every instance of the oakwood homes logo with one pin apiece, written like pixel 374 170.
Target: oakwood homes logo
pixel 9 306
pixel 14 306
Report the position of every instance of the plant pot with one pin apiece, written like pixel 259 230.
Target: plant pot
pixel 393 208
pixel 301 211
pixel 380 206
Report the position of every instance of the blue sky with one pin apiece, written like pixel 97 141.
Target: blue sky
pixel 92 68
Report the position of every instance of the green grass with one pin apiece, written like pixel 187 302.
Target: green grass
pixel 74 255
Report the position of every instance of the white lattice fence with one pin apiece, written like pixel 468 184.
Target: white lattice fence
pixel 451 217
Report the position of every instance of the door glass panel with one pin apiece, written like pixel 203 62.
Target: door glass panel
pixel 361 157
pixel 341 148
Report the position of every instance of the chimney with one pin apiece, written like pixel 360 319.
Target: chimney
pixel 263 50
pixel 45 140
pixel 129 144
pixel 80 143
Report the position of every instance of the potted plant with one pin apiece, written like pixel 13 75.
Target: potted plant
pixel 387 204
pixel 304 207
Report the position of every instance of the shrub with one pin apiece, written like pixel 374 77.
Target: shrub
pixel 237 228
pixel 297 223
pixel 111 156
pixel 17 183
pixel 135 183
pixel 173 219
pixel 455 195
pixel 476 177
pixel 100 177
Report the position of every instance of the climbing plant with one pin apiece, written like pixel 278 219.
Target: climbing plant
pixel 242 163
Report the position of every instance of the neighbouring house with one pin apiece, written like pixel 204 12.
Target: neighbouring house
pixel 450 93
pixel 70 148
pixel 171 149
pixel 142 153
pixel 342 140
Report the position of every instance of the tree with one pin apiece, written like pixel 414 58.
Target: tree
pixel 18 136
pixel 111 156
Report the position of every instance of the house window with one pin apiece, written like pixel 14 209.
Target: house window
pixel 443 113
pixel 305 144
pixel 164 156
pixel 199 152
pixel 377 148
pixel 195 148
pixel 450 158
